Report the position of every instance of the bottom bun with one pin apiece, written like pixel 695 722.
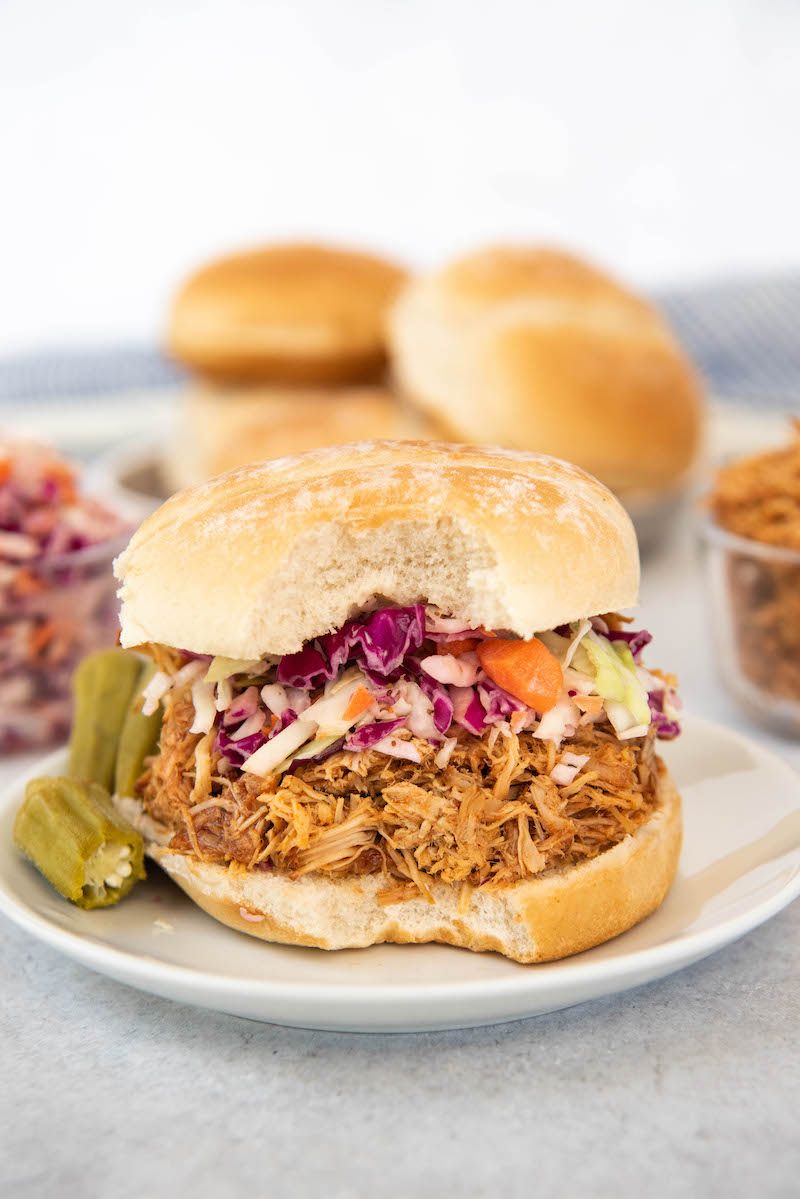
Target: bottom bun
pixel 536 920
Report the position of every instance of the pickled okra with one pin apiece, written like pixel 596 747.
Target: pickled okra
pixel 138 738
pixel 103 687
pixel 71 832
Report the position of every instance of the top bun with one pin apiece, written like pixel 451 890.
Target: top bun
pixel 269 556
pixel 291 313
pixel 534 349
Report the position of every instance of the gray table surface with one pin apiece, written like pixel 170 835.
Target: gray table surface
pixel 688 1086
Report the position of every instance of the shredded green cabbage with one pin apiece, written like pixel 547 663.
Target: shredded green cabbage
pixel 557 644
pixel 614 672
pixel 222 668
pixel 308 750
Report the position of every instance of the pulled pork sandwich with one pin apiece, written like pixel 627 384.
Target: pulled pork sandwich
pixel 400 703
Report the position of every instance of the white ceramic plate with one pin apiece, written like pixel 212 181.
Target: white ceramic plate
pixel 88 424
pixel 740 865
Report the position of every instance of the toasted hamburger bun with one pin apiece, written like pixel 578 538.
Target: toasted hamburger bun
pixel 264 558
pixel 288 313
pixel 534 349
pixel 550 916
pixel 221 428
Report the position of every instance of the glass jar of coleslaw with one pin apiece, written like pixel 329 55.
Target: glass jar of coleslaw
pixel 57 590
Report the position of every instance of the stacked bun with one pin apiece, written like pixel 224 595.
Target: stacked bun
pixel 524 347
pixel 286 314
pixel 534 349
pixel 287 347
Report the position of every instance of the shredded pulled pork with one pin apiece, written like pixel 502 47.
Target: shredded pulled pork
pixel 492 816
pixel 759 497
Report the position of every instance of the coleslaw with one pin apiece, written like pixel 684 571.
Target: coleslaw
pixel 401 673
pixel 57 592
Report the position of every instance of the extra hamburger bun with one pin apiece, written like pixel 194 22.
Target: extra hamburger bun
pixel 267 557
pixel 555 914
pixel 285 314
pixel 222 428
pixel 536 350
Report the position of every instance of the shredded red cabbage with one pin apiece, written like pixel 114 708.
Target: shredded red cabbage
pixel 337 646
pixel 370 734
pixel 233 749
pixel 41 509
pixel 380 685
pixel 635 641
pixel 390 635
pixel 307 668
pixel 380 645
pixel 497 702
pixel 440 699
pixel 284 720
pixel 665 727
pixel 468 711
pixel 238 751
pixel 243 705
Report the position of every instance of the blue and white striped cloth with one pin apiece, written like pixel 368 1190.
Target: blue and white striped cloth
pixel 55 373
pixel 744 336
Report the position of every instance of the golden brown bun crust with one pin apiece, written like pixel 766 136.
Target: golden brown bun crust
pixel 291 313
pixel 538 920
pixel 504 273
pixel 222 428
pixel 536 350
pixel 267 557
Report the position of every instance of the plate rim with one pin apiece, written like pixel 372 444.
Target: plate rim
pixel 669 955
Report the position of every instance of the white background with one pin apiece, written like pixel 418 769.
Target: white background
pixel 661 138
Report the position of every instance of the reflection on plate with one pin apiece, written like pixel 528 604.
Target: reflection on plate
pixel 740 865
